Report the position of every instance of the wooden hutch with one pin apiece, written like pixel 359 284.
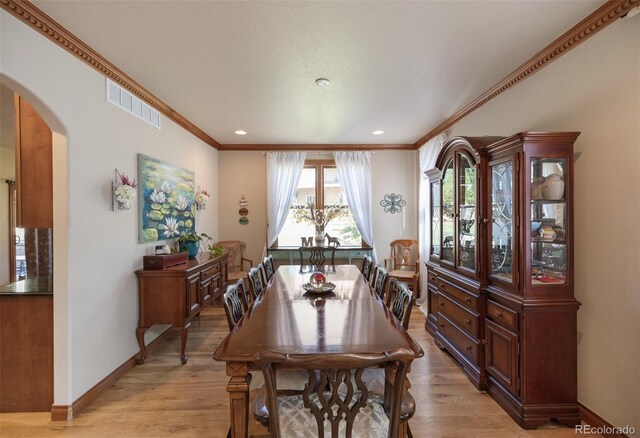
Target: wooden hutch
pixel 500 270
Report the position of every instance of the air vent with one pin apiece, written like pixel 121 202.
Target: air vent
pixel 131 104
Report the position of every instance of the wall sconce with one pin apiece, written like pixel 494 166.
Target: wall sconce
pixel 123 192
pixel 202 196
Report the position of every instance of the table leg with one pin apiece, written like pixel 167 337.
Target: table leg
pixel 238 389
pixel 184 331
pixel 143 351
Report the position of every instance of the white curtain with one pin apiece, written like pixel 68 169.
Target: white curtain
pixel 354 174
pixel 283 174
pixel 428 155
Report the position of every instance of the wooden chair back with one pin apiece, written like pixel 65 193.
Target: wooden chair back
pixel 316 257
pixel 325 396
pixel 269 269
pixel 367 264
pixel 404 262
pixel 403 301
pixel 256 286
pixel 235 302
pixel 237 259
pixel 380 283
pixel 405 255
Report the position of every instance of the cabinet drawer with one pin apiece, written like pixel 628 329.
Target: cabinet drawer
pixel 209 272
pixel 432 278
pixel 464 297
pixel 461 316
pixel 467 346
pixel 503 316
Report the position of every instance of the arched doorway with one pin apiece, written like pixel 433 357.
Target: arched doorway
pixel 38 273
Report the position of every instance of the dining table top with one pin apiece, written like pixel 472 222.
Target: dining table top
pixel 285 318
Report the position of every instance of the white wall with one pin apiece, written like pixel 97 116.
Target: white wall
pixel 594 89
pixel 96 312
pixel 245 173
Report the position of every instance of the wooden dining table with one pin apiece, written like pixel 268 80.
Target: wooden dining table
pixel 286 319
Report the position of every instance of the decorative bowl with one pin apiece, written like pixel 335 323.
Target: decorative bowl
pixel 324 288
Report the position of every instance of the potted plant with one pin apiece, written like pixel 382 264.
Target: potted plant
pixel 190 243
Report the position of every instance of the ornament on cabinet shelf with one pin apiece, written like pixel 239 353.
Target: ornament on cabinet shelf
pixel 244 220
pixel 393 203
pixel 123 191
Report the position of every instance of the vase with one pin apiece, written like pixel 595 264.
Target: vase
pixel 553 187
pixel 191 248
pixel 319 238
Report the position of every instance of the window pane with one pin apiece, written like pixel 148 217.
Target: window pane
pixel 306 192
pixel 343 227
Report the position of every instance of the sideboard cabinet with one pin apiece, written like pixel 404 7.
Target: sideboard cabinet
pixel 176 295
pixel 500 271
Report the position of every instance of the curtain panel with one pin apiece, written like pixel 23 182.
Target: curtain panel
pixel 428 155
pixel 354 174
pixel 283 174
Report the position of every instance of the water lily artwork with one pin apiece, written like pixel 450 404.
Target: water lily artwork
pixel 167 200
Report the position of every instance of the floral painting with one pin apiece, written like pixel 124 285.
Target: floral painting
pixel 167 199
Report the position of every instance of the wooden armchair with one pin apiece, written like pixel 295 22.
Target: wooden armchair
pixel 235 269
pixel 338 403
pixel 403 264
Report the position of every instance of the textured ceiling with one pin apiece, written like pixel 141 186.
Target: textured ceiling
pixel 402 67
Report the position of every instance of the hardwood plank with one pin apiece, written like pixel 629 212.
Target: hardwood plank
pixel 163 398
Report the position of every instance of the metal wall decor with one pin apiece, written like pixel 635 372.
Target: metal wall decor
pixel 244 211
pixel 393 203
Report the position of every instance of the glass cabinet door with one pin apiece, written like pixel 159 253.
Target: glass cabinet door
pixel 548 221
pixel 466 213
pixel 448 213
pixel 435 219
pixel 501 235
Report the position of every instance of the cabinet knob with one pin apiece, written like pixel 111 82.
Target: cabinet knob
pixel 468 322
pixel 468 347
pixel 485 221
pixel 441 285
pixel 441 304
pixel 498 313
pixel 467 299
pixel 442 325
pixel 484 342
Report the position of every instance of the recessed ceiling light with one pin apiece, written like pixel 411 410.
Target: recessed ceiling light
pixel 377 132
pixel 241 132
pixel 322 82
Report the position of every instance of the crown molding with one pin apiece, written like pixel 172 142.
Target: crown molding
pixel 592 24
pixel 47 26
pixel 314 147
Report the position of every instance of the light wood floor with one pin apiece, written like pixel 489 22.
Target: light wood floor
pixel 163 398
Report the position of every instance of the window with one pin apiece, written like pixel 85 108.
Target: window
pixel 319 182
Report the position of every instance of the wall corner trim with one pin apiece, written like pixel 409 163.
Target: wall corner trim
pixel 48 27
pixel 589 26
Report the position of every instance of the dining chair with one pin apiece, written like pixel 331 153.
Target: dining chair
pixel 256 285
pixel 402 303
pixel 236 260
pixel 235 303
pixel 316 257
pixel 367 263
pixel 403 264
pixel 336 403
pixel 380 283
pixel 269 270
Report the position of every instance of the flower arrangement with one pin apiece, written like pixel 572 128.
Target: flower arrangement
pixel 318 217
pixel 202 196
pixel 124 191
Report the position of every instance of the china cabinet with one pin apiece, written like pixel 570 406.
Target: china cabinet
pixel 500 271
